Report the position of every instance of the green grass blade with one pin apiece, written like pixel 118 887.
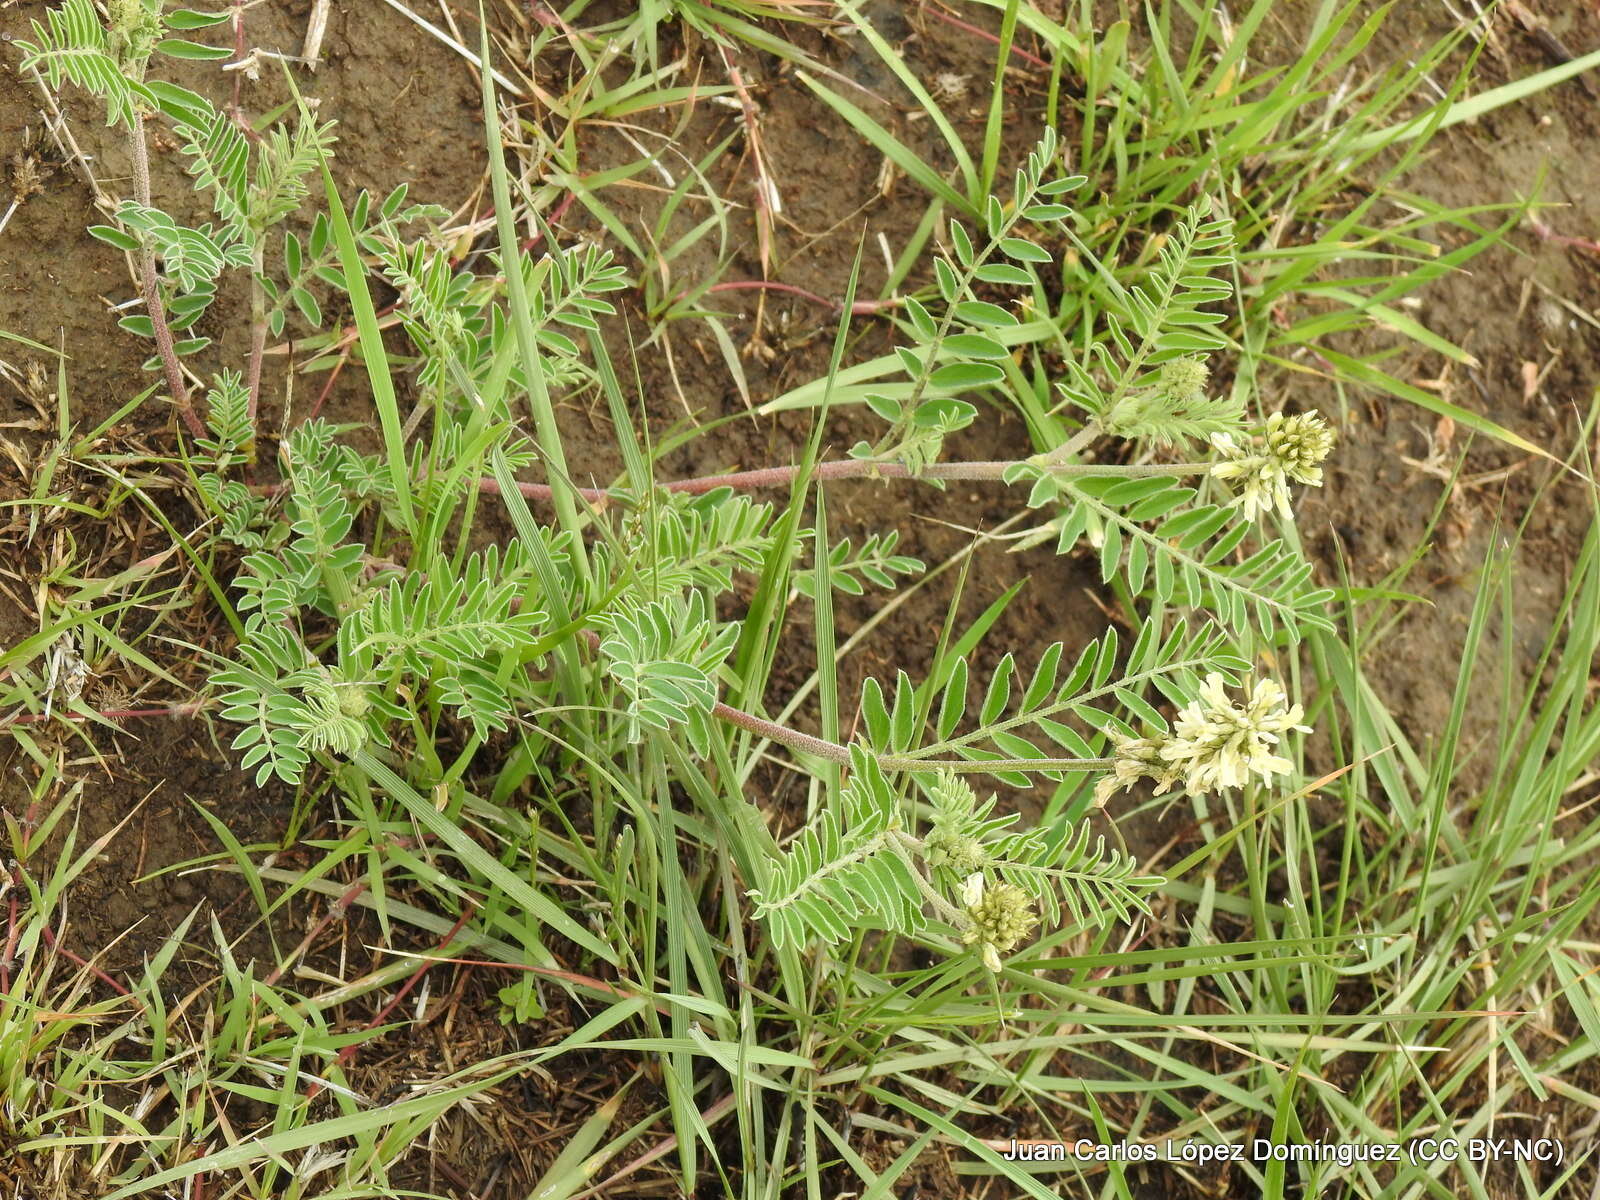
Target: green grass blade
pixel 373 356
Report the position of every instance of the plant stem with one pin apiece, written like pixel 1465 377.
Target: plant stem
pixel 112 714
pixel 1062 453
pixel 834 752
pixel 258 340
pixel 903 843
pixel 55 947
pixel 165 346
pixel 860 308
pixel 862 468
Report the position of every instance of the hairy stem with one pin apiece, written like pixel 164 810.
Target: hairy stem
pixel 258 342
pixel 165 345
pixel 904 844
pixel 1064 452
pixel 110 714
pixel 861 468
pixel 834 752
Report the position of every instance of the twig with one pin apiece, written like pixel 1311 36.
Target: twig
pixel 316 26
pixel 768 203
pixel 61 133
pixel 471 56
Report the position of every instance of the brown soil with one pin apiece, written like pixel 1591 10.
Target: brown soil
pixel 1526 312
pixel 408 111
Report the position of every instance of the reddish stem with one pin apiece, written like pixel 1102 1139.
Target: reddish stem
pixel 555 219
pixel 336 912
pixel 50 941
pixel 258 348
pixel 988 37
pixel 327 388
pixel 238 56
pixel 1550 235
pixel 13 933
pixel 114 714
pixel 349 1052
pixel 166 348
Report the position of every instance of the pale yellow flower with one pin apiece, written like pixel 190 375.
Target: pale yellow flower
pixel 1214 745
pixel 1217 744
pixel 1135 759
pixel 1292 448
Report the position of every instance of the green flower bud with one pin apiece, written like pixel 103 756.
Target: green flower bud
pixel 134 29
pixel 353 699
pixel 1183 380
pixel 956 853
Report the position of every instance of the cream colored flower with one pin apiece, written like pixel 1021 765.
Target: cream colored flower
pixel 1299 444
pixel 1135 759
pixel 1214 744
pixel 1002 916
pixel 1217 744
pixel 1292 448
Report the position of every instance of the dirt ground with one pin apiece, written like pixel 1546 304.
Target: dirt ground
pixel 1518 310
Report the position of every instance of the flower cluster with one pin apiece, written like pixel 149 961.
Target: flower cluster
pixel 1292 448
pixel 1001 915
pixel 955 851
pixel 1135 759
pixel 1215 744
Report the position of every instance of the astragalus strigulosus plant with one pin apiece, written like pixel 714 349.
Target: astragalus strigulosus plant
pixel 391 631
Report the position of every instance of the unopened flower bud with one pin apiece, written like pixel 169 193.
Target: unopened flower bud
pixel 1183 380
